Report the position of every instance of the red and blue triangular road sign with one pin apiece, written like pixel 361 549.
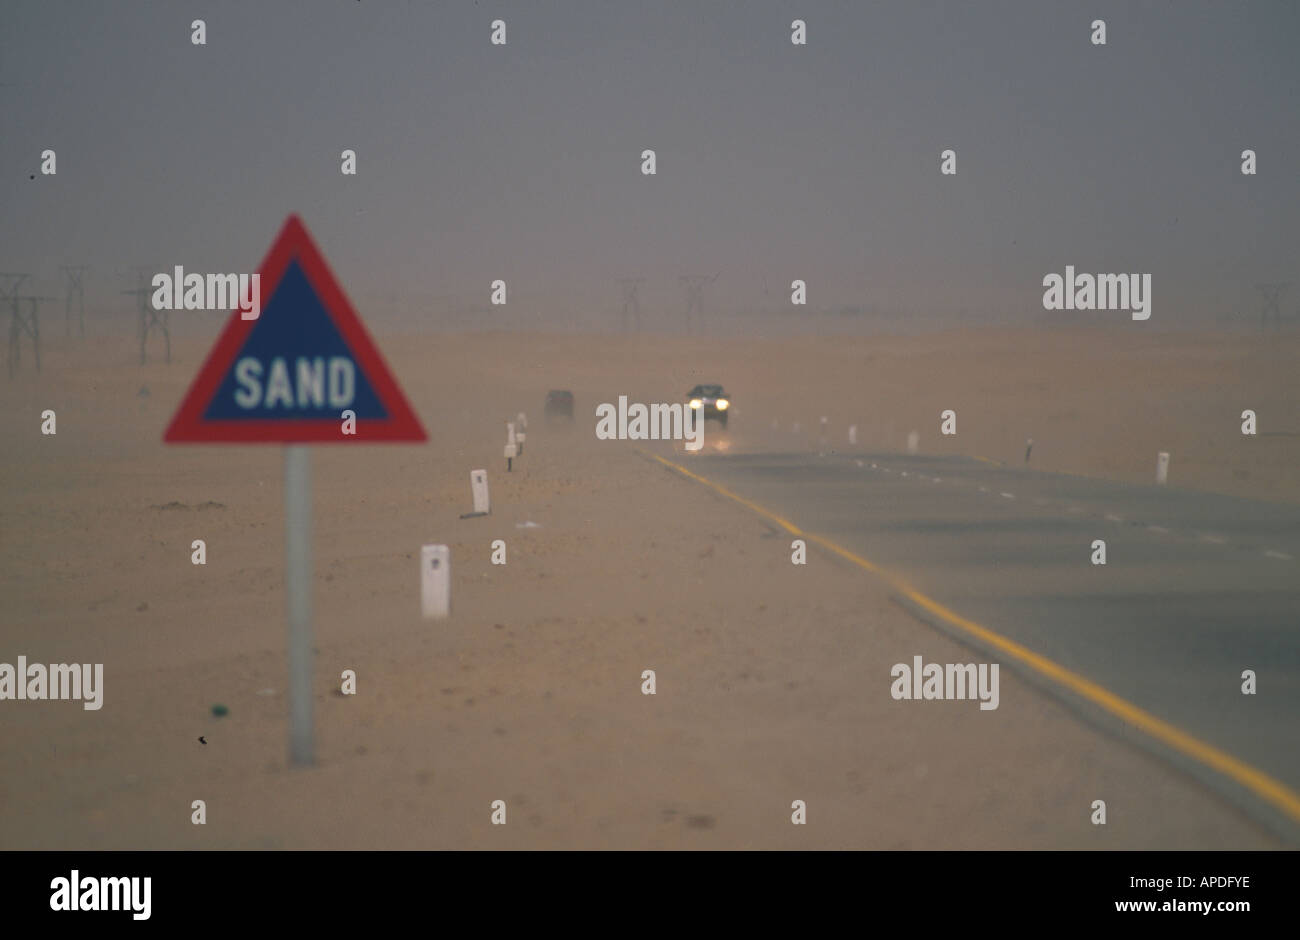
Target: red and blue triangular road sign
pixel 289 375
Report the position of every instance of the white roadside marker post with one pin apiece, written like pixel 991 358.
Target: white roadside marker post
pixel 1162 467
pixel 479 485
pixel 512 448
pixel 853 434
pixel 521 421
pixel 435 581
pixel 913 441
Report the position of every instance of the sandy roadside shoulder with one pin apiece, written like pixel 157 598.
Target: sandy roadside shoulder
pixel 772 686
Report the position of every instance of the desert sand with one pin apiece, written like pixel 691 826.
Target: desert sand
pixel 772 679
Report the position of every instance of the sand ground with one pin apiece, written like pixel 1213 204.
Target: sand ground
pixel 773 680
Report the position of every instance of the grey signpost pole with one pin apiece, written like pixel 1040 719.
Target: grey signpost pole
pixel 297 517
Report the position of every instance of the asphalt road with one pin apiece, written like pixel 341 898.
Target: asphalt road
pixel 1197 587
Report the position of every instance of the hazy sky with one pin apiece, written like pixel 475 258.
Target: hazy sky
pixel 775 161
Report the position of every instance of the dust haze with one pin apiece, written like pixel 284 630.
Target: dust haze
pixel 776 163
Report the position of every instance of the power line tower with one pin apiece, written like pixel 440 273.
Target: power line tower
pixel 150 319
pixel 9 285
pixel 631 303
pixel 20 322
pixel 76 288
pixel 1270 303
pixel 694 285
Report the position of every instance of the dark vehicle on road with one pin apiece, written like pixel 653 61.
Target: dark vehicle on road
pixel 711 401
pixel 559 405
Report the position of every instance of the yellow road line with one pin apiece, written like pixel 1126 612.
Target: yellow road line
pixel 1272 791
pixel 788 526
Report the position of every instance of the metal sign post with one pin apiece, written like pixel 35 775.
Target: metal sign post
pixel 297 532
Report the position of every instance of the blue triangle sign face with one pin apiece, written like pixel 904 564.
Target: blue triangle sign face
pixel 300 370
pixel 317 379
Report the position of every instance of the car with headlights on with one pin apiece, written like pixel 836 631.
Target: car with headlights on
pixel 711 401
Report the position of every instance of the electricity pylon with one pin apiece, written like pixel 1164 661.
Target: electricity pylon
pixel 1271 302
pixel 76 288
pixel 631 303
pixel 694 285
pixel 150 319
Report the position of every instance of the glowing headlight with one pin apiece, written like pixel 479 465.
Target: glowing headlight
pixel 696 403
pixel 722 404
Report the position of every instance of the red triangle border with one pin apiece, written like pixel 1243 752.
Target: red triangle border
pixel 188 426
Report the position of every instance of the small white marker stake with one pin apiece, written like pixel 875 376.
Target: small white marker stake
pixel 479 486
pixel 435 581
pixel 1162 467
pixel 853 434
pixel 913 441
pixel 512 448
